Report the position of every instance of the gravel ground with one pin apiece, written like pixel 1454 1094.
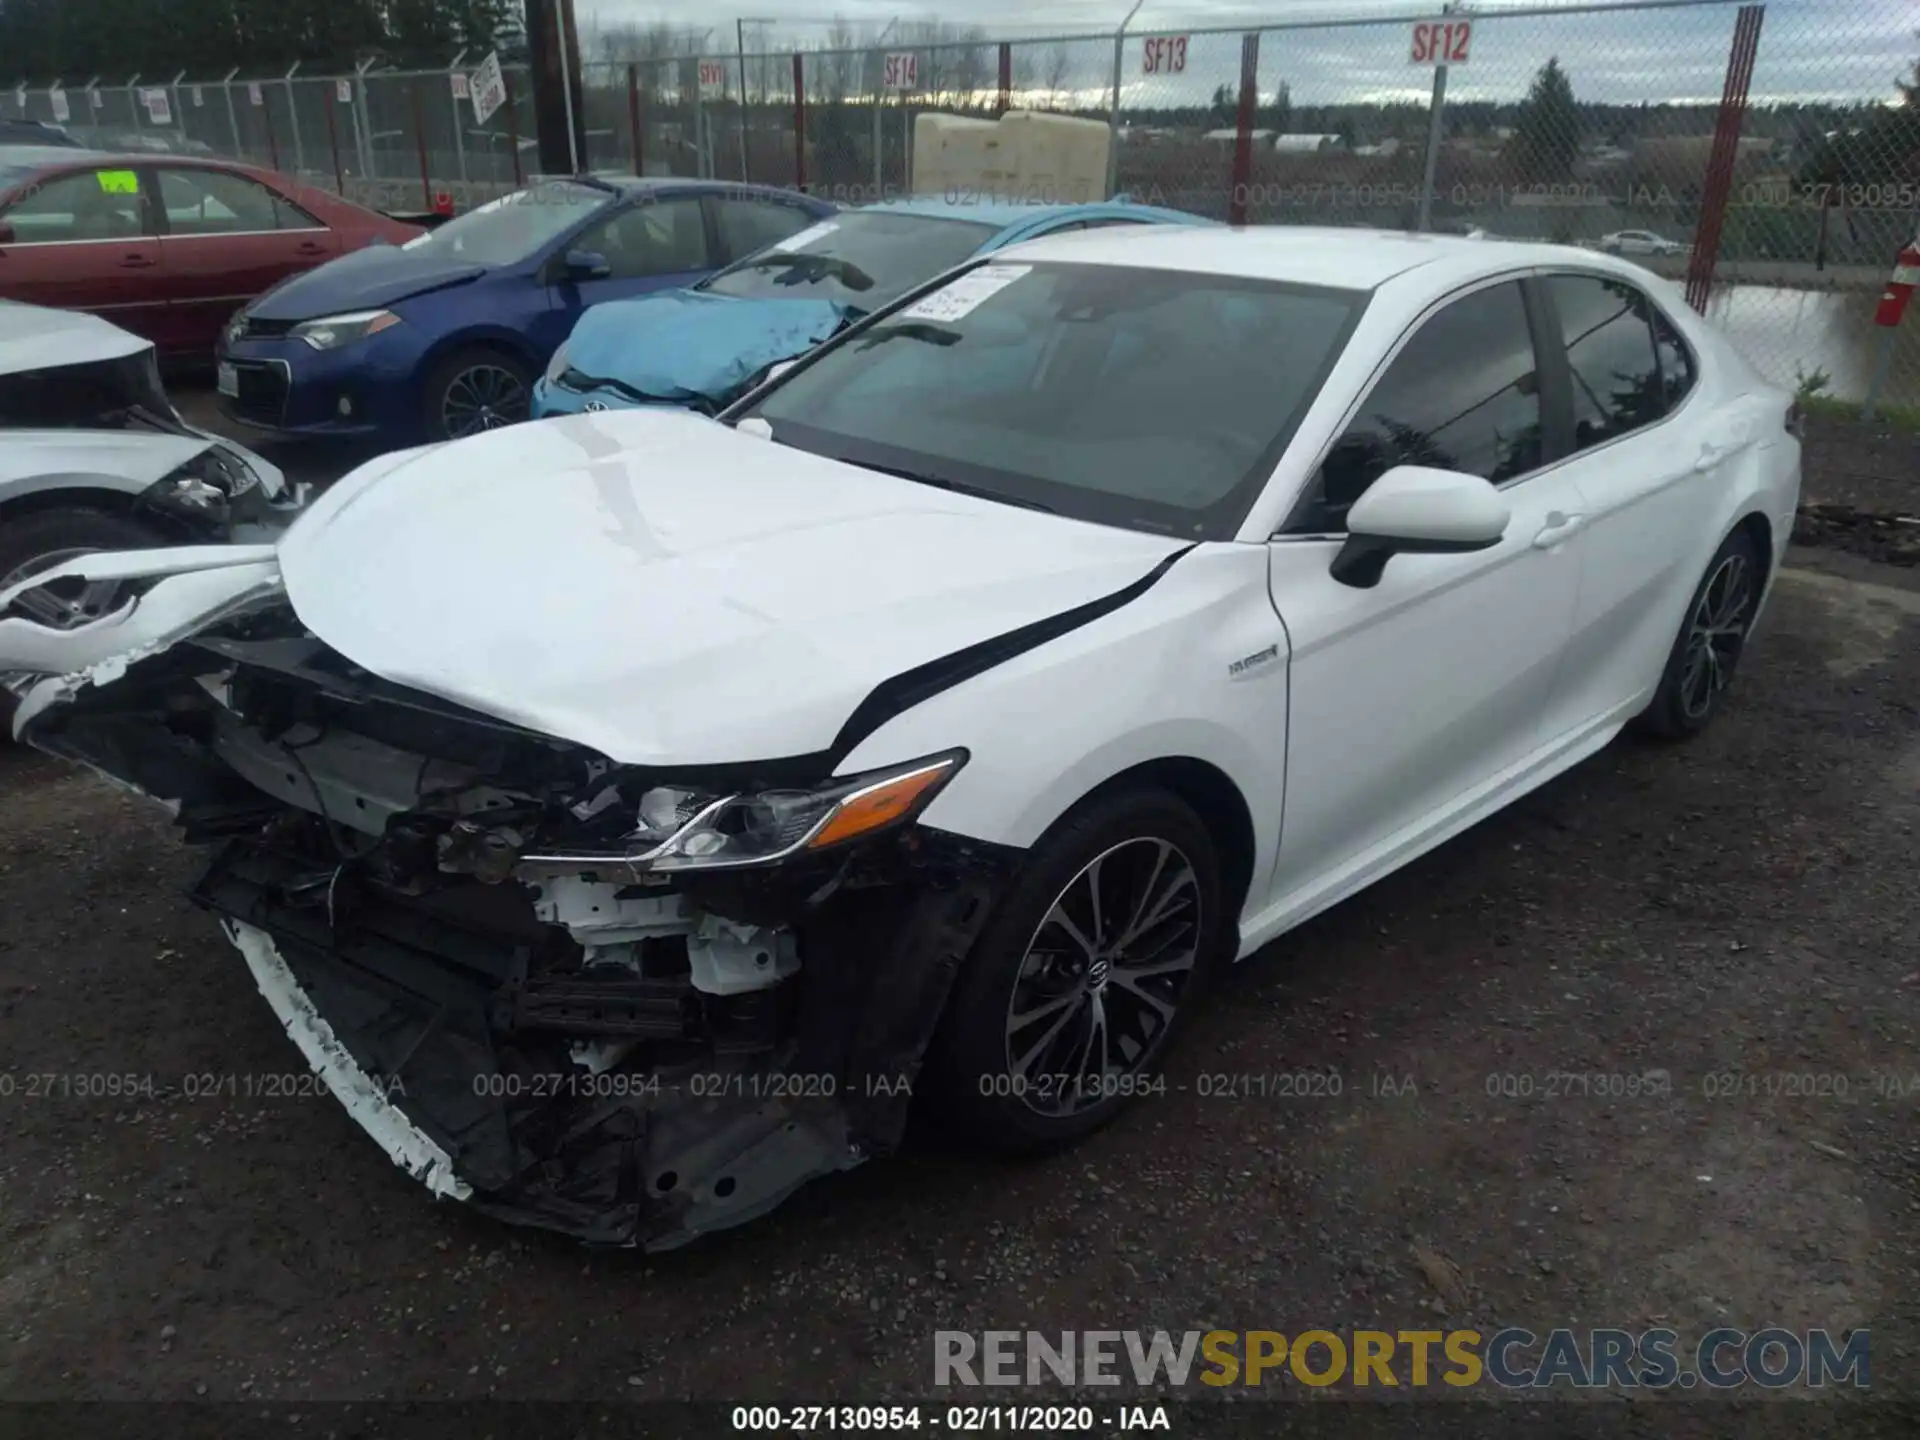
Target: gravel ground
pixel 1743 904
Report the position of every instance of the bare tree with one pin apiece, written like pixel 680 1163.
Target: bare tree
pixel 1058 62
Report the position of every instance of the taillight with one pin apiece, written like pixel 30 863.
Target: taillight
pixel 1796 421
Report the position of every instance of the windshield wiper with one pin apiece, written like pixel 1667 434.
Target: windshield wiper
pixel 911 330
pixel 808 268
pixel 979 492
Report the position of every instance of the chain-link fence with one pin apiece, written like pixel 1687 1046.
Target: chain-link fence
pixel 1765 157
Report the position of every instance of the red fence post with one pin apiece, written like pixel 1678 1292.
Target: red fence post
pixel 799 124
pixel 333 140
pixel 513 129
pixel 1243 137
pixel 1006 76
pixel 633 119
pixel 1725 154
pixel 420 133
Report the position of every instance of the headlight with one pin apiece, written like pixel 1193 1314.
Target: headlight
pixel 684 830
pixel 557 366
pixel 337 330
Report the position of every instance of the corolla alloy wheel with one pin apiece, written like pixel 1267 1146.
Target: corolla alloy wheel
pixel 1715 634
pixel 66 603
pixel 1103 975
pixel 483 397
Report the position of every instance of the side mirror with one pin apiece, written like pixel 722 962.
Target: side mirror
pixel 1418 510
pixel 6 232
pixel 587 265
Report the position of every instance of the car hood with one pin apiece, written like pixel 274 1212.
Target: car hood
pixel 35 338
pixel 669 591
pixel 685 346
pixel 125 460
pixel 362 280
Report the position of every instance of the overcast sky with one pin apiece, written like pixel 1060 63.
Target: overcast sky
pixel 1809 49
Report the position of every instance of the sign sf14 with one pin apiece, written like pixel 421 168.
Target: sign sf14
pixel 902 71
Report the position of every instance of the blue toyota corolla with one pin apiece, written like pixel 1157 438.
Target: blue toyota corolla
pixel 703 346
pixel 444 336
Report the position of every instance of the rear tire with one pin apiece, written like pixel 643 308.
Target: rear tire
pixel 474 390
pixel 1712 637
pixel 1058 972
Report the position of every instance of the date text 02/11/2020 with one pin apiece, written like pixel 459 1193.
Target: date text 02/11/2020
pixel 961 1419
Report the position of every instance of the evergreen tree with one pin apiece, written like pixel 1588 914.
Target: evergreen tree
pixel 1546 133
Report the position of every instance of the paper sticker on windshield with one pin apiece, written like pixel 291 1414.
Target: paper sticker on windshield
pixel 807 236
pixel 966 294
pixel 118 182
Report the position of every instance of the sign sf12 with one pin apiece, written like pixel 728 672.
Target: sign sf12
pixel 1442 42
pixel 902 71
pixel 713 77
pixel 1163 55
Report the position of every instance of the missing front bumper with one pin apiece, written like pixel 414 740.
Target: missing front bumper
pixel 418 1018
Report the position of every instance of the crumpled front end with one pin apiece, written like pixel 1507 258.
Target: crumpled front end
pixel 514 962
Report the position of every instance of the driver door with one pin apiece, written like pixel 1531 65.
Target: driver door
pixel 1413 701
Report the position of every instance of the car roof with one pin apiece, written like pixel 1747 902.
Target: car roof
pixel 687 183
pixel 34 157
pixel 1347 259
pixel 29 155
pixel 1001 214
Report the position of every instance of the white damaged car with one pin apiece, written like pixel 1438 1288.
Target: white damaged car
pixel 632 815
pixel 94 457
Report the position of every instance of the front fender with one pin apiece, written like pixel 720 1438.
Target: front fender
pixel 1152 680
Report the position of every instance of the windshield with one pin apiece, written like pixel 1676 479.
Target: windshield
pixel 1153 399
pixel 514 227
pixel 863 259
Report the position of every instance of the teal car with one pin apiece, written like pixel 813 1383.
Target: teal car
pixel 702 347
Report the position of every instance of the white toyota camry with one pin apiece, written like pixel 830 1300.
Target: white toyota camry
pixel 631 815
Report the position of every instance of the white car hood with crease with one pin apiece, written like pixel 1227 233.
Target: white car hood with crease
pixel 666 590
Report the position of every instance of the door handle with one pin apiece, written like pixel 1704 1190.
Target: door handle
pixel 1558 528
pixel 135 262
pixel 309 248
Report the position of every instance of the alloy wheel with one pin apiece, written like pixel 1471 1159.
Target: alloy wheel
pixel 1715 634
pixel 65 604
pixel 483 397
pixel 1102 976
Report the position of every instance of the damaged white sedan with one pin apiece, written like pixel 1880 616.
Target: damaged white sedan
pixel 94 457
pixel 633 815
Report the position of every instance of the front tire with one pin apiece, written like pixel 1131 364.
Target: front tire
pixel 1092 961
pixel 1706 652
pixel 37 542
pixel 475 390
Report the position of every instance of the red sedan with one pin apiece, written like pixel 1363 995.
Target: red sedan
pixel 165 246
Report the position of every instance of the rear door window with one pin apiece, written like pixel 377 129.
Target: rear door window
pixel 212 202
pixel 1606 330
